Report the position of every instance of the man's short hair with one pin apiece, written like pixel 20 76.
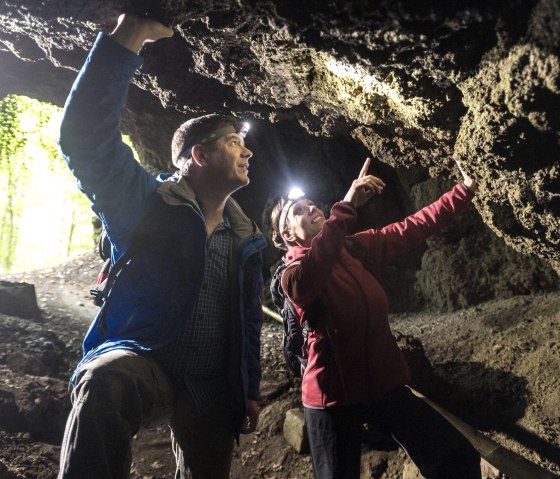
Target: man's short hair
pixel 195 131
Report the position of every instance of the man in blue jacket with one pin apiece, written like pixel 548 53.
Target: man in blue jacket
pixel 178 335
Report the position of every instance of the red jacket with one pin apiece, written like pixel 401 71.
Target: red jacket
pixel 367 355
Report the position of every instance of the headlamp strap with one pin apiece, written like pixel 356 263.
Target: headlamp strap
pixel 241 128
pixel 284 215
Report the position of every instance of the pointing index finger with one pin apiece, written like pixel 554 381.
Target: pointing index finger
pixel 363 171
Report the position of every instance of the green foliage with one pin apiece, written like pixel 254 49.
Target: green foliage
pixel 44 218
pixel 13 171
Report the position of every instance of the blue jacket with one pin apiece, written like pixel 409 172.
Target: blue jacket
pixel 157 282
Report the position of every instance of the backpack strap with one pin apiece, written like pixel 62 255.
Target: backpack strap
pixel 294 342
pixel 104 245
pixel 140 240
pixel 100 294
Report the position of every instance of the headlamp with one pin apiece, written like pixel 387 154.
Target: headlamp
pixel 294 195
pixel 243 128
pixel 239 127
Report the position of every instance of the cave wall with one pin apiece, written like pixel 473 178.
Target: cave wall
pixel 468 263
pixel 415 84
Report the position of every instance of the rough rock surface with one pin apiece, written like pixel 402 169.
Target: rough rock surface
pixel 418 84
pixel 18 299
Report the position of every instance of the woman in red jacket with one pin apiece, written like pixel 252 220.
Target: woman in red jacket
pixel 355 371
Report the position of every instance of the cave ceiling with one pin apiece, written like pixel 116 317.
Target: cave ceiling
pixel 417 84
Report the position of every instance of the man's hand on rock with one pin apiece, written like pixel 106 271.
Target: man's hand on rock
pixel 133 32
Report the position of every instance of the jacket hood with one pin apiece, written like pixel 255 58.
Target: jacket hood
pixel 177 190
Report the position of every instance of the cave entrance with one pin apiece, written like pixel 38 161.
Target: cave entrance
pixel 44 219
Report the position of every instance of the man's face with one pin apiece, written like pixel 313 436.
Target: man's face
pixel 304 221
pixel 228 160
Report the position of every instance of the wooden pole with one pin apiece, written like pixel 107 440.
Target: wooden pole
pixel 508 462
pixel 272 314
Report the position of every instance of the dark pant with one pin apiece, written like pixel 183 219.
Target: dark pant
pixel 432 443
pixel 119 392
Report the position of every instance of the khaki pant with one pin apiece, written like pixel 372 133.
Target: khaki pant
pixel 121 391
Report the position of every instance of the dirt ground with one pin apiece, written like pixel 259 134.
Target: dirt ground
pixel 496 366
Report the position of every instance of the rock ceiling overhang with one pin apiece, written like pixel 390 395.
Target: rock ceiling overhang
pixel 419 84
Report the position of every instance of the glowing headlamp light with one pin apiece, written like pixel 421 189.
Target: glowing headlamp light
pixel 294 195
pixel 243 128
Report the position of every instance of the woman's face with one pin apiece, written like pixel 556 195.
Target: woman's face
pixel 304 221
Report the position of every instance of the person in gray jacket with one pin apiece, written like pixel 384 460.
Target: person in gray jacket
pixel 178 334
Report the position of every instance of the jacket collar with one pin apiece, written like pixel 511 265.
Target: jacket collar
pixel 294 253
pixel 176 190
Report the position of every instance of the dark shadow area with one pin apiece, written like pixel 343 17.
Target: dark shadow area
pixel 530 440
pixel 485 398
